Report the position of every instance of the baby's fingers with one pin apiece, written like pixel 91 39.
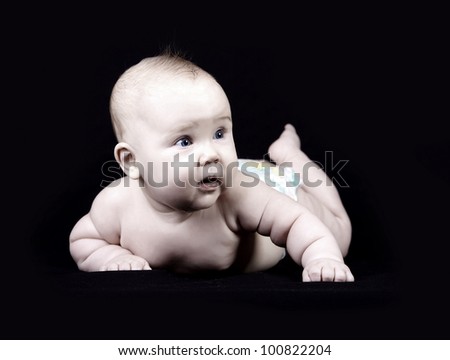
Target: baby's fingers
pixel 312 274
pixel 343 275
pixel 327 272
pixel 124 263
pixel 126 266
pixel 136 265
pixel 109 267
pixel 318 274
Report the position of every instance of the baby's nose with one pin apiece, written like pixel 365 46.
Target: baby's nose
pixel 208 155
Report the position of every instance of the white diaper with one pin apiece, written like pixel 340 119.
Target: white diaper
pixel 282 179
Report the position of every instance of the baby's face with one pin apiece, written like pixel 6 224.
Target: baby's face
pixel 184 142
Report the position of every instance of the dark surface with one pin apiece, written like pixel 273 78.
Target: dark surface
pixel 160 304
pixel 350 84
pixel 279 287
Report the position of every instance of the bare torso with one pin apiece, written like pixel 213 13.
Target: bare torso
pixel 205 239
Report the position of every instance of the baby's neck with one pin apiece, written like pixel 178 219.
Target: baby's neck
pixel 174 216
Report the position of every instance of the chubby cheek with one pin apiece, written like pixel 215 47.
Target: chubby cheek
pixel 168 182
pixel 173 196
pixel 156 174
pixel 183 171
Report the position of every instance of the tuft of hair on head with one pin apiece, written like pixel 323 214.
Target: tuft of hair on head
pixel 174 61
pixel 172 51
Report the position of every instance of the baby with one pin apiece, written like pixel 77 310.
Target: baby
pixel 188 204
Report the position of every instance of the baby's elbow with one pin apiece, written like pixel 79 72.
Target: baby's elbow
pixel 76 253
pixel 81 249
pixel 83 266
pixel 82 260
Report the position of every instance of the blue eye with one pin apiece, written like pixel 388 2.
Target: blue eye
pixel 219 134
pixel 183 142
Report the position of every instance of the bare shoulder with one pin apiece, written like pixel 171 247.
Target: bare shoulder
pixel 246 199
pixel 109 204
pixel 257 206
pixel 103 219
pixel 113 195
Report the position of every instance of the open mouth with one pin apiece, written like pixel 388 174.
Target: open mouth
pixel 210 182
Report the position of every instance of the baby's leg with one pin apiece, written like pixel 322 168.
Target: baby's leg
pixel 321 196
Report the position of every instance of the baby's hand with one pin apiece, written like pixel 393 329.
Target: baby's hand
pixel 327 270
pixel 126 262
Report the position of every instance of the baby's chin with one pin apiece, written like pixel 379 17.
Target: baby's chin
pixel 202 201
pixel 193 197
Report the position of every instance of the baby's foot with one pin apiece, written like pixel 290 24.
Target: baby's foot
pixel 286 146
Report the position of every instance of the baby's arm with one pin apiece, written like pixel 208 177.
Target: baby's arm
pixel 308 241
pixel 95 239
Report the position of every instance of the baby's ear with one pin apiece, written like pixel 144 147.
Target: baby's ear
pixel 124 155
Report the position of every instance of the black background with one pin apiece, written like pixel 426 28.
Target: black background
pixel 351 82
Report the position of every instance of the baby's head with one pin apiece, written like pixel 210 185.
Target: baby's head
pixel 166 109
pixel 146 79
